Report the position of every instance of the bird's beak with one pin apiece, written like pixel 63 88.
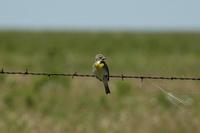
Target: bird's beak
pixel 104 58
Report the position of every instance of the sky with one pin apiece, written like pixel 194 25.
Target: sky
pixel 100 14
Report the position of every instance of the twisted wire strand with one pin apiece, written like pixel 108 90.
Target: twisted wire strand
pixel 75 74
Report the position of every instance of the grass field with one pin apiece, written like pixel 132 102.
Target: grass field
pixel 60 104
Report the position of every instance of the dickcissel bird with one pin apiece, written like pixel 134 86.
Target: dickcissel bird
pixel 101 71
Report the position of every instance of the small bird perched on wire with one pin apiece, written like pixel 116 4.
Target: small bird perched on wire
pixel 101 71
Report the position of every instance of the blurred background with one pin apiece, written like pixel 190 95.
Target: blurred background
pixel 151 38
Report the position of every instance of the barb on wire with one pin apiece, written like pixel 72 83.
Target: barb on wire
pixel 75 74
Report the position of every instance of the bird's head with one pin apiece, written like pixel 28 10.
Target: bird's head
pixel 100 57
pixel 98 60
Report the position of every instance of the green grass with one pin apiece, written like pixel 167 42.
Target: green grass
pixel 60 104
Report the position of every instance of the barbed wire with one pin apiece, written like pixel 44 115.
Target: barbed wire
pixel 75 74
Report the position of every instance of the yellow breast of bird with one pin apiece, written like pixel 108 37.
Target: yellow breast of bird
pixel 98 65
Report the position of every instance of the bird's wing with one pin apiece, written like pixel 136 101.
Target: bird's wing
pixel 106 71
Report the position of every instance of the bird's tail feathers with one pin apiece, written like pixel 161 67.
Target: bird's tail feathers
pixel 107 90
